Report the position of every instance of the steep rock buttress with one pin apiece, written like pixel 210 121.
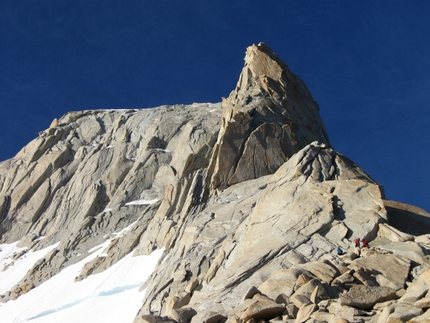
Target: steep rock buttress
pixel 269 117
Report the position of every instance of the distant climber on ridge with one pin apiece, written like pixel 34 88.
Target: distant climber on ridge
pixel 365 243
pixel 357 243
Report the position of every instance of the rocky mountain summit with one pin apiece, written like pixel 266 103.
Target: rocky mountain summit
pixel 247 199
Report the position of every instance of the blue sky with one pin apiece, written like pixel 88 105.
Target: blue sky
pixel 367 64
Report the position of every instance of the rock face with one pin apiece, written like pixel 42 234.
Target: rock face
pixel 73 183
pixel 247 198
pixel 269 117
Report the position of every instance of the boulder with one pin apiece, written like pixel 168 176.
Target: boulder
pixel 303 279
pixel 418 289
pixel 423 303
pixel 423 239
pixel 382 305
pixel 423 318
pixel 365 277
pixel 250 293
pixel 292 310
pixel 349 256
pixel 340 311
pixel 403 312
pixel 389 270
pixel 207 317
pixel 418 270
pixel 305 312
pixel 337 232
pixel 313 290
pixel 180 299
pixel 345 278
pixel 365 297
pixel 385 231
pixel 182 315
pixel 300 300
pixel 324 270
pixel 407 218
pixel 408 249
pixel 262 309
pixel 282 282
pixel 323 316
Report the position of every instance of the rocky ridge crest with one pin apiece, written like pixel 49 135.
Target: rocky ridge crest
pixel 247 197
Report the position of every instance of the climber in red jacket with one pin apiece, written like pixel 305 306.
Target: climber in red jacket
pixel 357 243
pixel 365 243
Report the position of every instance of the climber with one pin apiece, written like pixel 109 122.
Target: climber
pixel 339 251
pixel 365 243
pixel 357 243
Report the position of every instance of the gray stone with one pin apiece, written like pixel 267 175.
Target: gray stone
pixel 389 270
pixel 423 303
pixel 300 300
pixel 263 309
pixel 292 310
pixel 281 282
pixel 182 315
pixel 365 277
pixel 305 312
pixel 391 234
pixel 408 249
pixel 423 318
pixel 207 317
pixel 340 311
pixel 403 312
pixel 312 290
pixel 323 316
pixel 418 289
pixel 324 270
pixel 365 297
pixel 345 278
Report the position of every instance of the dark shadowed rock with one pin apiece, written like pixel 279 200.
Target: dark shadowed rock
pixel 408 218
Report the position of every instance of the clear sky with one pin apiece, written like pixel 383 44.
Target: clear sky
pixel 367 64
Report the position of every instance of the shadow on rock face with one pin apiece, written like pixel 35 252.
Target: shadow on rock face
pixel 407 218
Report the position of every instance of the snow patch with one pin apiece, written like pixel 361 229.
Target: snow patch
pixel 142 202
pixel 109 297
pixel 13 270
pixel 100 247
pixel 120 233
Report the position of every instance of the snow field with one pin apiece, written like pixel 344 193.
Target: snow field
pixel 11 274
pixel 111 296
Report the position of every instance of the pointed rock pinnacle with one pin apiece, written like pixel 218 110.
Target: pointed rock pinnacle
pixel 269 117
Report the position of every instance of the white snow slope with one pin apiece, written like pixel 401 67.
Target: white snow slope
pixel 111 296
